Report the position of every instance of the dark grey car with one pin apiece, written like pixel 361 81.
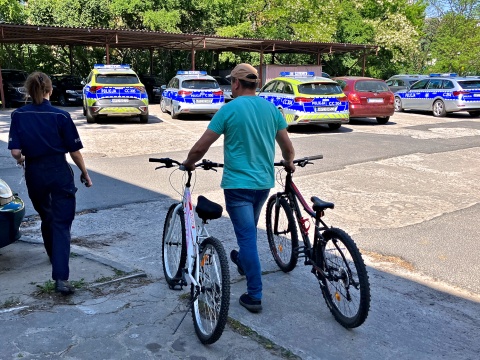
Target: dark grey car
pixel 403 81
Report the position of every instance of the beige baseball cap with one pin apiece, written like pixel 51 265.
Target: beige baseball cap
pixel 245 72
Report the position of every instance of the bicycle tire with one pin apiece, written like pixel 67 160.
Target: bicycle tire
pixel 210 309
pixel 174 252
pixel 343 261
pixel 283 247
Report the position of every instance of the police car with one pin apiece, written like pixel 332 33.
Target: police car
pixel 441 94
pixel 114 90
pixel 191 92
pixel 304 98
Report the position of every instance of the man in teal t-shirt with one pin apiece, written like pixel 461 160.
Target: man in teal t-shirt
pixel 250 126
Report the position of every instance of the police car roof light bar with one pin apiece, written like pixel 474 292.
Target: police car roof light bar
pixel 191 72
pixel 444 74
pixel 297 74
pixel 108 66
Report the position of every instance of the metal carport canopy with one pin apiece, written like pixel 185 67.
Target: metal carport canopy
pixel 100 37
pixel 145 39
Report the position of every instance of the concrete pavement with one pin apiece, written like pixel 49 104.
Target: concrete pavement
pixel 411 317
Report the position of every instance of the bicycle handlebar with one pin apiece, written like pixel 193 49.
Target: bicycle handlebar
pixel 301 162
pixel 205 164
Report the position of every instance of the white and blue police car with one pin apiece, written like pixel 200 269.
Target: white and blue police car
pixel 441 94
pixel 191 92
pixel 304 98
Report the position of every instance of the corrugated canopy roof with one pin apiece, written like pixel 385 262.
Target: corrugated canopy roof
pixel 141 39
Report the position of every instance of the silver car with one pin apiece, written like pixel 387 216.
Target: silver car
pixel 403 81
pixel 191 92
pixel 441 94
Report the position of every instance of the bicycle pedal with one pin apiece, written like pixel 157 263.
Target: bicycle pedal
pixel 178 284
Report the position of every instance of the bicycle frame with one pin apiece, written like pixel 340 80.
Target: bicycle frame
pixel 292 193
pixel 193 238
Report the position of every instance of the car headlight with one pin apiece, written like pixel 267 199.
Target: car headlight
pixel 21 90
pixel 73 92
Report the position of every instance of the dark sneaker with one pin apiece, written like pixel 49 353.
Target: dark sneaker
pixel 250 304
pixel 64 287
pixel 234 258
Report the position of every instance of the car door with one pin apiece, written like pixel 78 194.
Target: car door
pixel 432 91
pixel 268 91
pixel 413 96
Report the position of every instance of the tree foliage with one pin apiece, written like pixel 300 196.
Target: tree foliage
pixel 412 35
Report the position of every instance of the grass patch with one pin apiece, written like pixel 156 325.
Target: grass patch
pixel 118 274
pixel 267 344
pixel 78 284
pixel 48 287
pixel 10 302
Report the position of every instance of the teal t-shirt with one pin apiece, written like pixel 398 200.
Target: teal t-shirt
pixel 249 125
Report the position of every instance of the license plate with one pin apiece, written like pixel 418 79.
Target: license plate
pixel 119 100
pixel 375 100
pixel 325 108
pixel 203 101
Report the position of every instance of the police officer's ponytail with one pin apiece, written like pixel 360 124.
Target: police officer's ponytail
pixel 38 85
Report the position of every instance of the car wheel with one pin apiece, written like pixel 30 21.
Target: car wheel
pixel 163 106
pixel 61 100
pixel 474 113
pixel 398 104
pixel 174 113
pixel 90 117
pixel 335 126
pixel 439 109
pixel 144 118
pixel 383 119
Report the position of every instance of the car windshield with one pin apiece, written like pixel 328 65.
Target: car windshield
pixel 198 84
pixel 14 76
pixel 319 89
pixel 371 86
pixel 222 81
pixel 470 84
pixel 116 79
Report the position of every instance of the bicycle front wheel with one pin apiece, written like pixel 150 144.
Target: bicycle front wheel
pixel 345 286
pixel 282 233
pixel 174 248
pixel 210 309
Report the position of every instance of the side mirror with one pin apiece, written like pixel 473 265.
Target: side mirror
pixel 83 82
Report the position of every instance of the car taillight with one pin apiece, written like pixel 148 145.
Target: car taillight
pixel 218 93
pixel 353 98
pixel 184 93
pixel 302 100
pixel 391 98
pixel 458 93
pixel 342 98
pixel 140 88
pixel 94 89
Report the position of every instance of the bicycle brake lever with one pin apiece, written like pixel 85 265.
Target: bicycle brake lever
pixel 159 167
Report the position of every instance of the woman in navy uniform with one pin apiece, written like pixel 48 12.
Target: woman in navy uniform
pixel 40 136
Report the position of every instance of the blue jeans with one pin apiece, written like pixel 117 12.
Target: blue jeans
pixel 244 207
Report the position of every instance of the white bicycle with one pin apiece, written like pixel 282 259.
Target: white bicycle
pixel 195 256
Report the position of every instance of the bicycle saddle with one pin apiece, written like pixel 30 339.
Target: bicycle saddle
pixel 208 210
pixel 320 205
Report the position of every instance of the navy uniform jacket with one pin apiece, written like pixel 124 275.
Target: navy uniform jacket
pixel 43 131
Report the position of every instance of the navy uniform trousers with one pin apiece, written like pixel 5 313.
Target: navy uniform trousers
pixel 51 188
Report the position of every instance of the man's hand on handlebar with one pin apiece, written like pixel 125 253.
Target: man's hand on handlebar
pixel 289 166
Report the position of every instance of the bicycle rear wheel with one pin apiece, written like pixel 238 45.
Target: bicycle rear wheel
pixel 174 249
pixel 210 309
pixel 285 241
pixel 346 287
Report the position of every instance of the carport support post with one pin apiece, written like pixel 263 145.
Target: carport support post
pixel 364 60
pixel 261 68
pixel 2 95
pixel 151 61
pixel 193 57
pixel 70 58
pixel 108 53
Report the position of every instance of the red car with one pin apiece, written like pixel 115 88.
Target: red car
pixel 368 97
